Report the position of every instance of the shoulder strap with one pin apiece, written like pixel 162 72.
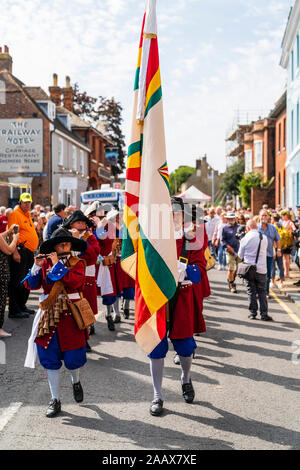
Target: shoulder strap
pixel 184 250
pixel 258 251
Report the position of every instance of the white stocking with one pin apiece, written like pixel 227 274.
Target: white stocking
pixel 157 369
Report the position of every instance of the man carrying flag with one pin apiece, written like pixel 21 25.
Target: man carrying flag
pixel 149 253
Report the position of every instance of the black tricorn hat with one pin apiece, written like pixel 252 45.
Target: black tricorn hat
pixel 61 235
pixel 77 216
pixel 191 212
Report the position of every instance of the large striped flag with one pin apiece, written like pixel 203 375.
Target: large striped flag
pixel 149 248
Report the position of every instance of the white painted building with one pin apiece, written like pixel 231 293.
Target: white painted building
pixel 290 60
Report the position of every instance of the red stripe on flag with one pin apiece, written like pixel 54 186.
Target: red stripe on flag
pixel 142 314
pixel 153 62
pixel 133 174
pixel 131 201
pixel 142 33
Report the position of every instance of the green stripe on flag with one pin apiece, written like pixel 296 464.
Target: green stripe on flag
pixel 158 268
pixel 134 148
pixel 137 79
pixel 155 98
pixel 127 245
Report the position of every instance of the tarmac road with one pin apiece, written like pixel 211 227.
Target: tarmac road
pixel 247 387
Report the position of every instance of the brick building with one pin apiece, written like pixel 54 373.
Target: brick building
pixel 99 172
pixel 259 150
pixel 32 141
pixel 279 113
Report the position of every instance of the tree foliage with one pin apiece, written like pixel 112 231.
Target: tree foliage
pixel 180 176
pixel 109 112
pixel 251 180
pixel 234 174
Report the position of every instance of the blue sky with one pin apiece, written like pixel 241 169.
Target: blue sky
pixel 216 56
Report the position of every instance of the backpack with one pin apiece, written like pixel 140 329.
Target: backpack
pixel 287 238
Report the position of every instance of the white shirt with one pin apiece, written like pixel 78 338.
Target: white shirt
pixel 220 230
pixel 248 250
pixel 211 225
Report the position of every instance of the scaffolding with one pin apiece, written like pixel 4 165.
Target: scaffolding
pixel 241 124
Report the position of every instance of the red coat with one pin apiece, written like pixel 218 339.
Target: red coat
pixel 90 256
pixel 188 318
pixel 69 335
pixel 119 278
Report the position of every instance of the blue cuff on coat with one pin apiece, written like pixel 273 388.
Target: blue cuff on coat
pixel 100 232
pixel 193 273
pixel 57 273
pixel 32 279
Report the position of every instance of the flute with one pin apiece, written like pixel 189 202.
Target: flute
pixel 60 255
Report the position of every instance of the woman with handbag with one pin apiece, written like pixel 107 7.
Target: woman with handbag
pixel 55 335
pixel 6 249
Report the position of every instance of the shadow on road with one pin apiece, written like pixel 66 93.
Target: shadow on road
pixel 142 434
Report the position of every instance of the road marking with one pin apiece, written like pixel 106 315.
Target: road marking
pixel 286 308
pixel 8 413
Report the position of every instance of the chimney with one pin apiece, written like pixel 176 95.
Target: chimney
pixel 68 95
pixel 55 91
pixel 5 60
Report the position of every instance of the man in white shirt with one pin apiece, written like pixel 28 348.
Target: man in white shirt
pixel 212 220
pixel 258 286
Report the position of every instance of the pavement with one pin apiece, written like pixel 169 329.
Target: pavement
pixel 289 290
pixel 245 375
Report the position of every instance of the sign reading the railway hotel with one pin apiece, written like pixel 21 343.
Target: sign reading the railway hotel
pixel 21 145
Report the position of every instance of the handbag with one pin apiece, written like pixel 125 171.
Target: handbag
pixel 81 311
pixel 248 271
pixel 210 262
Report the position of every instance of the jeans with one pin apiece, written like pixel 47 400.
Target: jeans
pixel 222 256
pixel 270 262
pixel 258 287
pixel 279 262
pixel 212 250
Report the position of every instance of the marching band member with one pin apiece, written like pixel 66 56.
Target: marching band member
pixel 55 335
pixel 185 309
pixel 80 226
pixel 121 284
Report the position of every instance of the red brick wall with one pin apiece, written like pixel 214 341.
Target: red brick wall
pixel 17 102
pixel 280 154
pixel 261 196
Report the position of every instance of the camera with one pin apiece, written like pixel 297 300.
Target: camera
pixel 241 232
pixel 16 229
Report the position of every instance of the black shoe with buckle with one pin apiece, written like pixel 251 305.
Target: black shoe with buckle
pixel 54 408
pixel 156 407
pixel 110 323
pixel 78 392
pixel 188 392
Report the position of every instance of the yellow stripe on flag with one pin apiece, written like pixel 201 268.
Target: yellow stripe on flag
pixel 140 57
pixel 152 295
pixel 134 161
pixel 147 336
pixel 132 225
pixel 153 86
